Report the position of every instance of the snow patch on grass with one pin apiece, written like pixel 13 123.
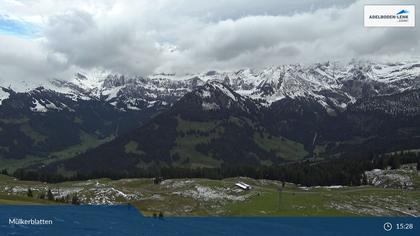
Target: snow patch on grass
pixel 390 178
pixel 205 193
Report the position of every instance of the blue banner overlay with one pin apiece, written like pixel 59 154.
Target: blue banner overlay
pixel 127 220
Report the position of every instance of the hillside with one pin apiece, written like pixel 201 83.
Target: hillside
pixel 386 196
pixel 213 126
pixel 251 117
pixel 208 127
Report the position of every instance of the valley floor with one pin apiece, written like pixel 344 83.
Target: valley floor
pixel 204 197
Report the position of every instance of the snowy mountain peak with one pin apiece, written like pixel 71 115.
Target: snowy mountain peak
pixel 334 85
pixel 215 95
pixel 216 88
pixel 4 94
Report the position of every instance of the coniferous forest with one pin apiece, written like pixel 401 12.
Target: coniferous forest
pixel 343 171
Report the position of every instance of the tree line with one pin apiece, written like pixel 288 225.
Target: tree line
pixel 73 199
pixel 342 171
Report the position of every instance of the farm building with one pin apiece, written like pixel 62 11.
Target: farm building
pixel 243 185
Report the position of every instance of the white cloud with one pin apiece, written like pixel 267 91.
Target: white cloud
pixel 90 43
pixel 23 60
pixel 325 34
pixel 139 37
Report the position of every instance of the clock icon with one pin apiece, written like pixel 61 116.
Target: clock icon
pixel 387 226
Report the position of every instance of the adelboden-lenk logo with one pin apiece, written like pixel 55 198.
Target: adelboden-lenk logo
pixel 389 16
pixel 402 12
pixel 403 15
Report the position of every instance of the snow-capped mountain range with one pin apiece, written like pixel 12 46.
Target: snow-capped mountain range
pixel 333 85
pixel 273 114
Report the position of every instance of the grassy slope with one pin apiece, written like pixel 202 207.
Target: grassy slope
pixel 6 199
pixel 288 149
pixel 185 146
pixel 171 197
pixel 294 201
pixel 21 200
pixel 86 142
pixel 325 202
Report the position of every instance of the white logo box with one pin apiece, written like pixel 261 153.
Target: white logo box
pixel 390 15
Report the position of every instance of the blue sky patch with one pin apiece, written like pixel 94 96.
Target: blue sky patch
pixel 17 27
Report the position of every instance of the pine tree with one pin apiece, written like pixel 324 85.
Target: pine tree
pixel 395 162
pixel 4 172
pixel 364 180
pixel 75 200
pixel 29 193
pixel 50 195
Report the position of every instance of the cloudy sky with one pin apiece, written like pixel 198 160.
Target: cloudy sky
pixel 46 38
